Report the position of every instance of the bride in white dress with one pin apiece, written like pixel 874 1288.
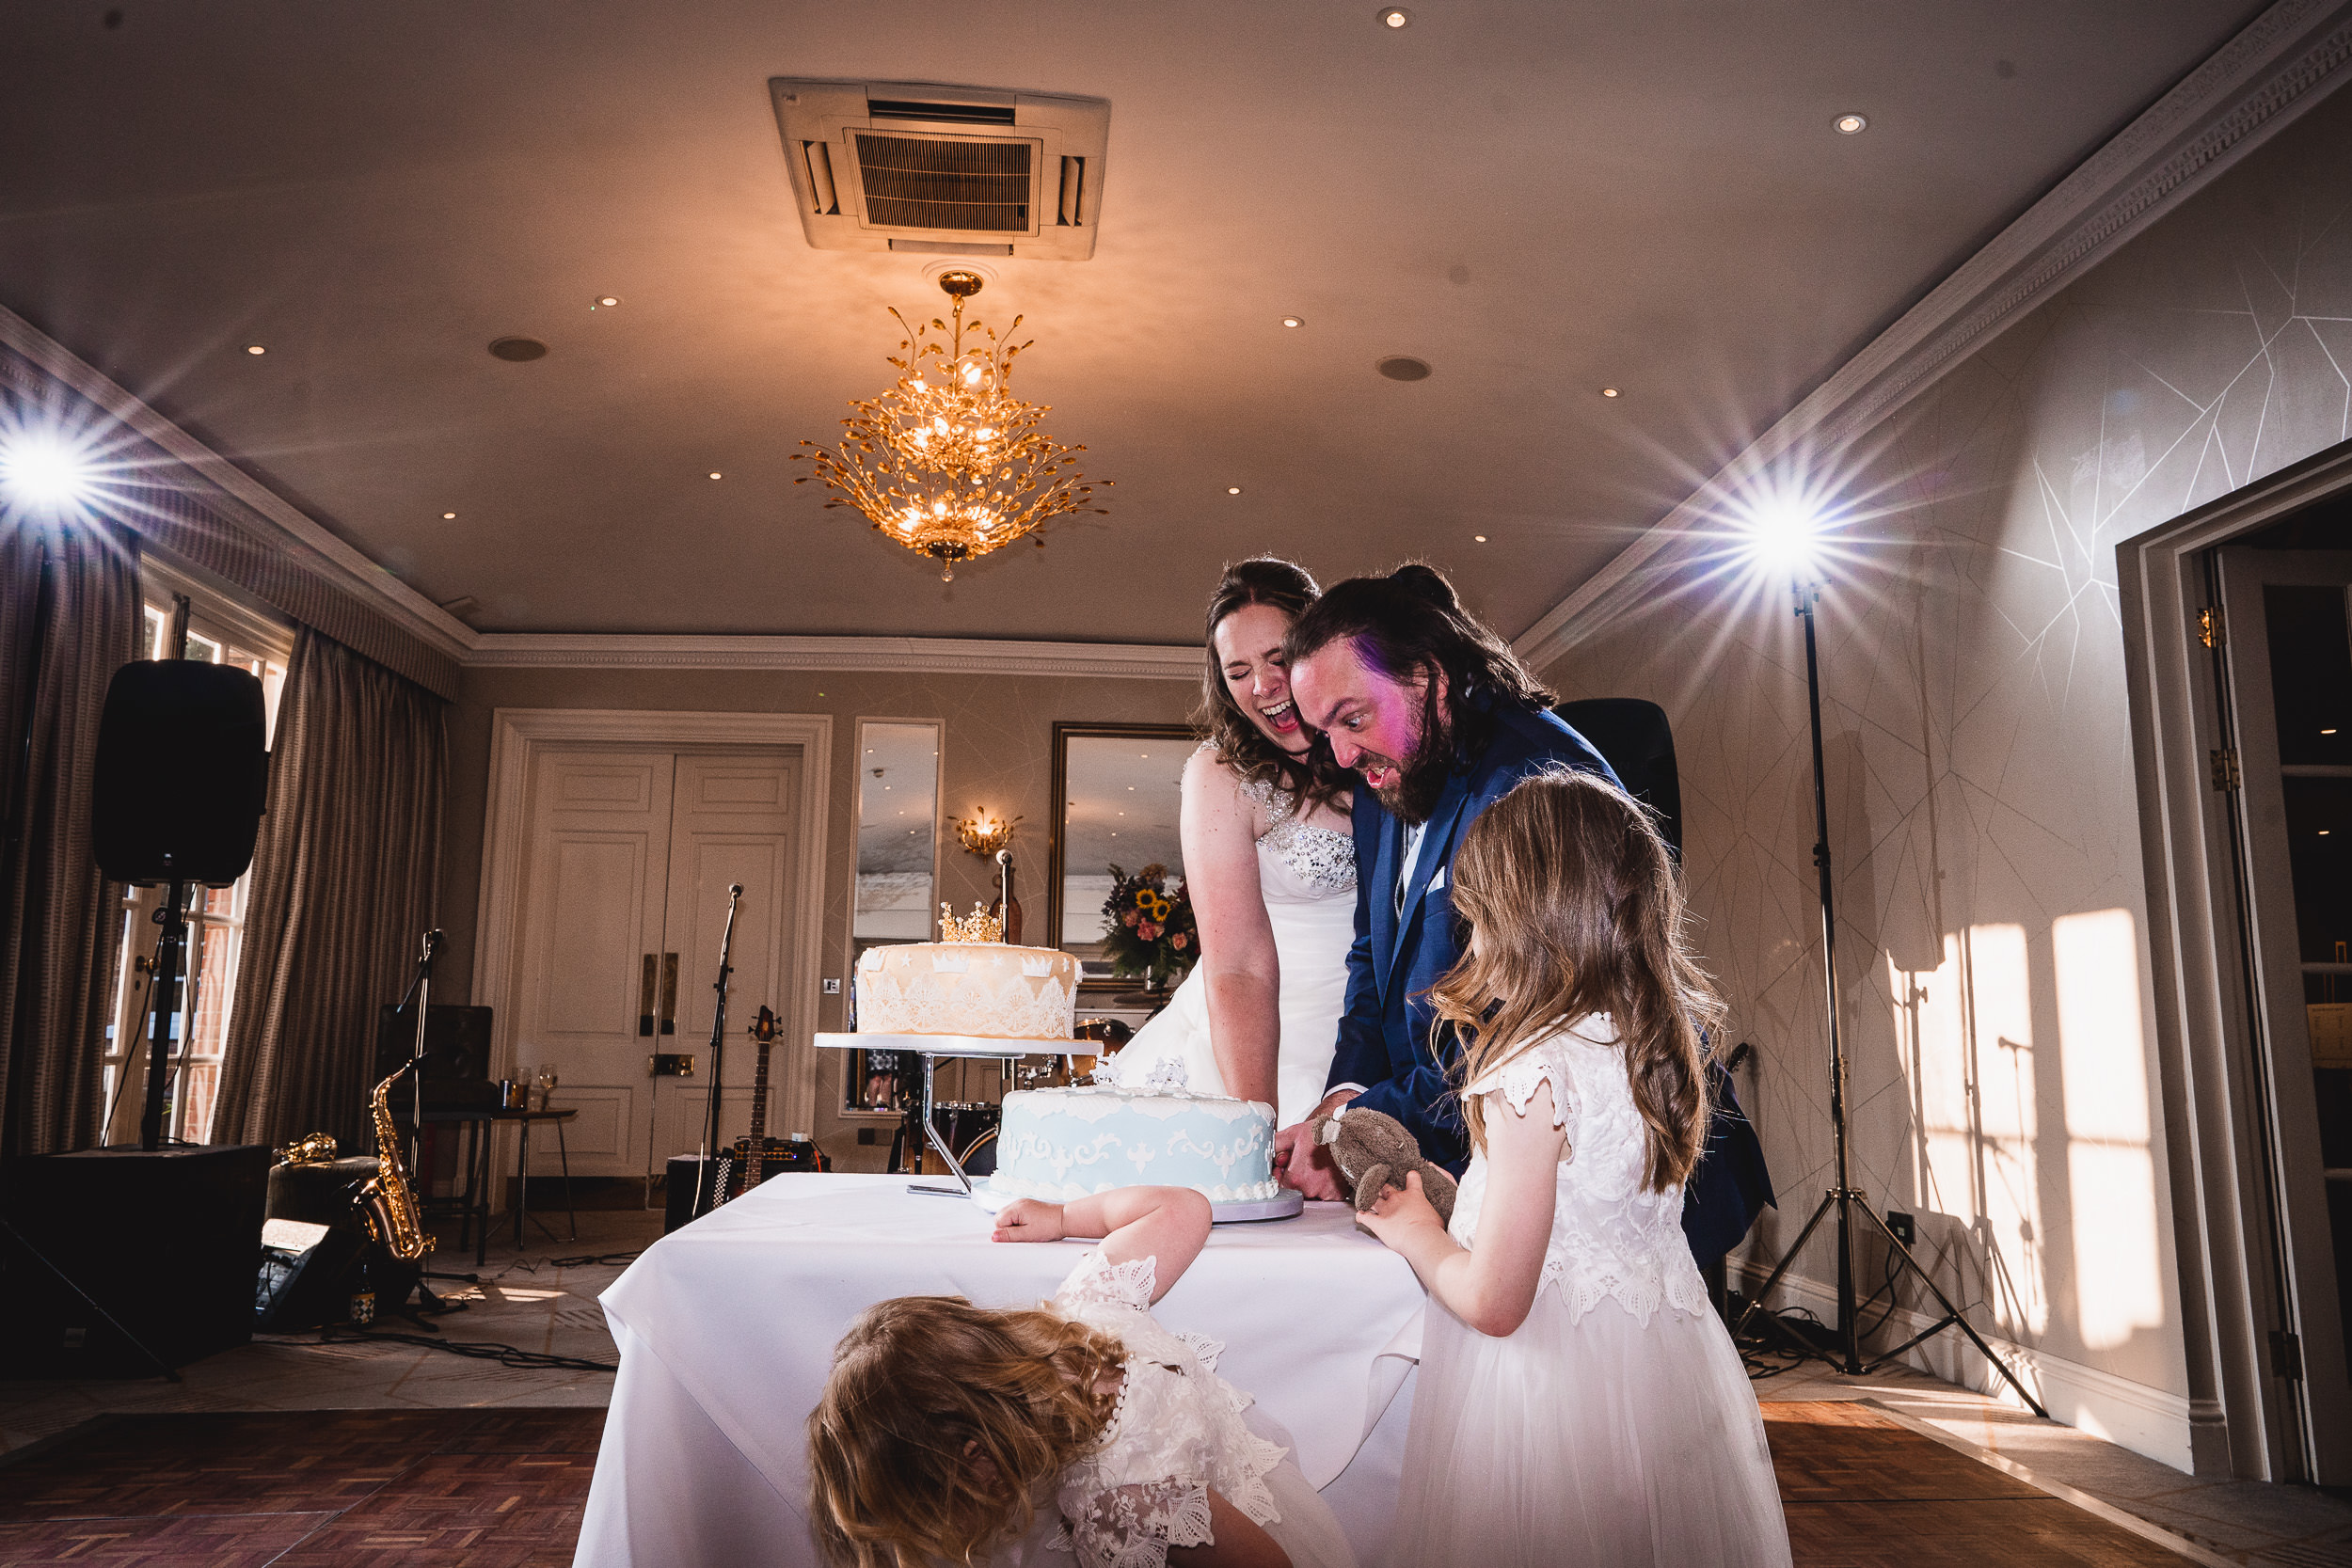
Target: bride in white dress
pixel 1270 862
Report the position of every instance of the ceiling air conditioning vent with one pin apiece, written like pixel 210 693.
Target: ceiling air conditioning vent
pixel 899 165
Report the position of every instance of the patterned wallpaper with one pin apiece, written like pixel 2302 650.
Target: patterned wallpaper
pixel 1991 929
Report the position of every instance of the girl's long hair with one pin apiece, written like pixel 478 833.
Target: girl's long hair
pixel 1240 744
pixel 923 1390
pixel 1579 910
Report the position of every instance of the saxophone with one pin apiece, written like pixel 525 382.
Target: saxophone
pixel 386 1203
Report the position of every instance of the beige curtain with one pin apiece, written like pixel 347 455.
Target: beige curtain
pixel 69 617
pixel 342 887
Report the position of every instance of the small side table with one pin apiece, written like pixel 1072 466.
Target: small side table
pixel 522 1165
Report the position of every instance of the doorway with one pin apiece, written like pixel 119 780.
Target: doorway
pixel 614 841
pixel 2238 640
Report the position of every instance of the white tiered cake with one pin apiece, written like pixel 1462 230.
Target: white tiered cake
pixel 987 988
pixel 1064 1144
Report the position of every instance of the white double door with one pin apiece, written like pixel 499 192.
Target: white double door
pixel 631 854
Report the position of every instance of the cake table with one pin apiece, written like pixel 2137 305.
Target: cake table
pixel 727 1330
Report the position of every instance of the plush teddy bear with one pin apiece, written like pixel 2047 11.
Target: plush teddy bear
pixel 1375 1153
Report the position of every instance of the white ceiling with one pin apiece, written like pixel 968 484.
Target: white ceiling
pixel 1540 198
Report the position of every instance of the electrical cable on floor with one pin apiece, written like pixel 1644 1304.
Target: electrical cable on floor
pixel 506 1356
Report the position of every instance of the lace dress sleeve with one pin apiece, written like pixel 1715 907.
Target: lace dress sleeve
pixel 1098 1282
pixel 1175 1433
pixel 1517 1080
pixel 1134 1525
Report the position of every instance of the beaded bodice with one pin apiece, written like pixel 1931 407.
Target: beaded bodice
pixel 1321 860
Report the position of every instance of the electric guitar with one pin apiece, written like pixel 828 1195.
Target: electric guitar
pixel 755 1157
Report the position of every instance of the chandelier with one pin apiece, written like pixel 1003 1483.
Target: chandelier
pixel 948 462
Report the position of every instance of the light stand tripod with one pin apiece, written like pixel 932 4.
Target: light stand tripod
pixel 1843 1196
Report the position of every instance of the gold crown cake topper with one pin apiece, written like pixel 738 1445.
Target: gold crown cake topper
pixel 981 927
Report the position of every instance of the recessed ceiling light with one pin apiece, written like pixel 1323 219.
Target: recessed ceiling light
pixel 1395 16
pixel 449 517
pixel 519 351
pixel 1294 320
pixel 1850 125
pixel 255 348
pixel 1233 489
pixel 606 299
pixel 1609 392
pixel 1403 367
pixel 1480 537
pixel 714 473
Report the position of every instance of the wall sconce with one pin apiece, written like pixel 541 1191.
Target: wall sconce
pixel 984 834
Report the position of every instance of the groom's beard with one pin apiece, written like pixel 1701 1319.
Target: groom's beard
pixel 1420 778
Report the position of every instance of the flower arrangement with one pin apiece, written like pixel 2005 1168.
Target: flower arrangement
pixel 1148 924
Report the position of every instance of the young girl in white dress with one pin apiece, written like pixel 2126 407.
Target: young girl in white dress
pixel 943 1424
pixel 1578 1401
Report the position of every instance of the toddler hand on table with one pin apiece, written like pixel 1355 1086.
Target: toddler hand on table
pixel 1168 1223
pixel 1027 1219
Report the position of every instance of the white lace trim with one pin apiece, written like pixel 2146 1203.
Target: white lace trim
pixel 1611 1239
pixel 1175 1432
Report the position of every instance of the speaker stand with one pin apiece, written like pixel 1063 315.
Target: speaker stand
pixel 160 1009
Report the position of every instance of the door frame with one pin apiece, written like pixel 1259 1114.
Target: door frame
pixel 2243 1419
pixel 517 735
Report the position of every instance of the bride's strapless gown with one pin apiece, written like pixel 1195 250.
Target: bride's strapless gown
pixel 1308 878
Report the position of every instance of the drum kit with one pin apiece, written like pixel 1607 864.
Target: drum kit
pixel 969 1127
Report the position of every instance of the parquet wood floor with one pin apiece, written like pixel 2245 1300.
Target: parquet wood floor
pixel 1863 1491
pixel 306 1489
pixel 505 1489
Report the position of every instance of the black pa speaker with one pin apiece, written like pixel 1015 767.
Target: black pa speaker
pixel 1633 736
pixel 182 773
pixel 162 1244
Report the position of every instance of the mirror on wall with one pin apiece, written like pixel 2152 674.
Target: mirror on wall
pixel 897 894
pixel 1118 792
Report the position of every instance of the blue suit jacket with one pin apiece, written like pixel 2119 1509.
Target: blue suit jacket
pixel 1385 1043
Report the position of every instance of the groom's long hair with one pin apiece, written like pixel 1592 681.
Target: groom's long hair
pixel 1410 624
pixel 1577 911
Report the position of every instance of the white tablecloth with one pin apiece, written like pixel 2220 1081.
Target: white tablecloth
pixel 727 1330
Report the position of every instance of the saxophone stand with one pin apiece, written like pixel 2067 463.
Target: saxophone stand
pixel 706 1179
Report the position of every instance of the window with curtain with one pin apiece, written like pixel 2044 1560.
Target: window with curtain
pixel 220 631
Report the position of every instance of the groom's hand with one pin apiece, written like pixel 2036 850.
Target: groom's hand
pixel 1300 1162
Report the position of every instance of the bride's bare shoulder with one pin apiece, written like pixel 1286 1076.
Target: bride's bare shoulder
pixel 1214 791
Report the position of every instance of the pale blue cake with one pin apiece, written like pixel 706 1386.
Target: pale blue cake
pixel 1063 1144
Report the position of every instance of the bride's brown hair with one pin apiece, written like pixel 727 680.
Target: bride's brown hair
pixel 940 1423
pixel 1240 744
pixel 1577 910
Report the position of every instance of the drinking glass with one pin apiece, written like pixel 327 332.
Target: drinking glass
pixel 544 1080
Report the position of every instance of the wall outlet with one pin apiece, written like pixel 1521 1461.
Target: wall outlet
pixel 1906 1230
pixel 833 985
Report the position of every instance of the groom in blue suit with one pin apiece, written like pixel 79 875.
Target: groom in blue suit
pixel 1440 719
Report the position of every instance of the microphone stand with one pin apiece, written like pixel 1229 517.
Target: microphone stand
pixel 705 1180
pixel 420 991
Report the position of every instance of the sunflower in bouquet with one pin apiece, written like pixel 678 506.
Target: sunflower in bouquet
pixel 1148 924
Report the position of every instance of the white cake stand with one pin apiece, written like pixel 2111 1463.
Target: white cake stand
pixel 1283 1205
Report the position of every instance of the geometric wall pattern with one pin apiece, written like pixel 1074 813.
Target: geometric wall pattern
pixel 1992 933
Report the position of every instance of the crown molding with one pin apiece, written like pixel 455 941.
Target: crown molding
pixel 926 655
pixel 277 520
pixel 2253 87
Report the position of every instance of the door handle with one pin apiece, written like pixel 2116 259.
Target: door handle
pixel 644 999
pixel 669 994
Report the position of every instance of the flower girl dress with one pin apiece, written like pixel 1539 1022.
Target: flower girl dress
pixel 1179 1431
pixel 1616 1427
